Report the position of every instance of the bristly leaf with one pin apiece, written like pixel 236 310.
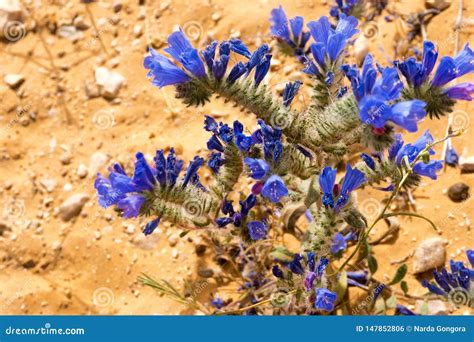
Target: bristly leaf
pixel 404 287
pixel 373 266
pixel 282 254
pixel 399 274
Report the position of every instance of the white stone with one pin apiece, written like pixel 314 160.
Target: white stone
pixel 96 162
pixel 429 254
pixel 13 80
pixel 81 171
pixel 109 82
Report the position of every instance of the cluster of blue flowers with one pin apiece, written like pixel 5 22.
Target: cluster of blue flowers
pixel 410 152
pixel 461 278
pixel 257 229
pixel 382 100
pixel 296 39
pixel 269 185
pixel 312 274
pixel 343 7
pixel 222 135
pixel 449 69
pixel 376 98
pixel 329 44
pixel 166 72
pixel 128 194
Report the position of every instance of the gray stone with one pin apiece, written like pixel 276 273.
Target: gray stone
pixel 429 254
pixel 458 192
pixel 4 227
pixel 466 164
pixel 72 207
pixel 205 272
pixel 80 23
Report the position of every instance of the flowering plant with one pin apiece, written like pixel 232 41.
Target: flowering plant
pixel 292 158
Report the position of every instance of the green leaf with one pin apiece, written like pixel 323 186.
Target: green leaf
pixel 399 274
pixel 282 254
pixel 373 266
pixel 404 287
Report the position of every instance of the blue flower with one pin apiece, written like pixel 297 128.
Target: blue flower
pixel 217 302
pixel 460 278
pixel 325 299
pixel 352 180
pixel 258 167
pixel 151 226
pixel 218 66
pixel 262 69
pixel 357 278
pixel 215 161
pixel 295 265
pixel 192 169
pixel 280 29
pixel 181 49
pixel 451 157
pixel 163 71
pixel 326 182
pixel 376 98
pixel 417 73
pixel 398 152
pixel 277 272
pixel 291 89
pixel 451 68
pixel 339 242
pixel 461 91
pixel 257 230
pixel 274 189
pixel 404 311
pixel 329 42
pixel 369 161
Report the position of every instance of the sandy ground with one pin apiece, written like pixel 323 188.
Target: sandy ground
pixel 89 265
